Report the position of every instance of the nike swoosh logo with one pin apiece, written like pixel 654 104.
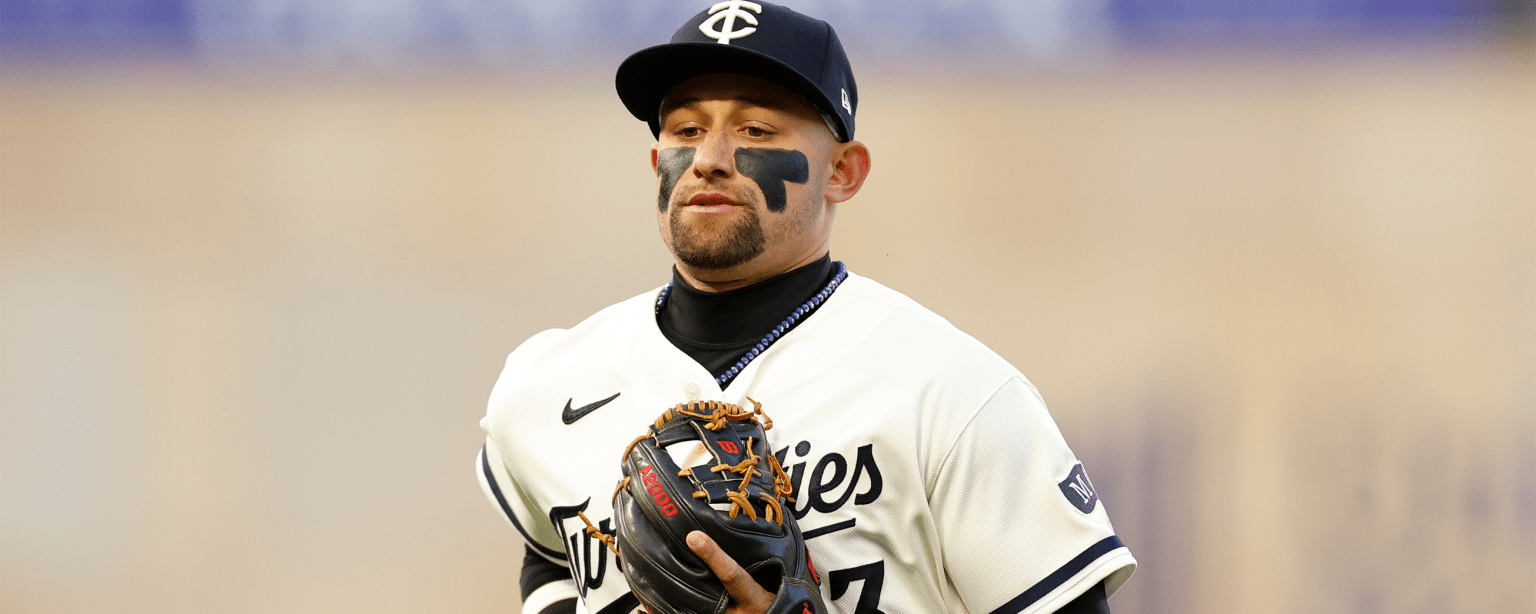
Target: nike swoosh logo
pixel 570 416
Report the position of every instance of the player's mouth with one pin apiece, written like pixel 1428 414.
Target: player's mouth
pixel 711 202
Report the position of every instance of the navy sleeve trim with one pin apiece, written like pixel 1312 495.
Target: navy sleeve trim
pixel 539 571
pixel 490 478
pixel 621 605
pixel 1061 575
pixel 564 606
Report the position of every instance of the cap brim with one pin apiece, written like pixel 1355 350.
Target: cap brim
pixel 647 76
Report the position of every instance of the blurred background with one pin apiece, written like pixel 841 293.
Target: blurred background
pixel 1272 265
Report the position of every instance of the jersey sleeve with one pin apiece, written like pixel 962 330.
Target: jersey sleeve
pixel 1020 526
pixel 516 507
pixel 547 588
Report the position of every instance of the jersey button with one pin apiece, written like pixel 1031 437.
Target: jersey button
pixel 692 390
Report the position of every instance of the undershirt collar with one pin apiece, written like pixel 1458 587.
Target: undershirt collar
pixel 718 328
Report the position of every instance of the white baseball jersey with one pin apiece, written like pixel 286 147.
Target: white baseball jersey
pixel 928 475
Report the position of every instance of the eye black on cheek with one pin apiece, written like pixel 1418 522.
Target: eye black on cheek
pixel 671 163
pixel 770 168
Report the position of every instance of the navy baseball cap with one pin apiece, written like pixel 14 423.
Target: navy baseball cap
pixel 757 39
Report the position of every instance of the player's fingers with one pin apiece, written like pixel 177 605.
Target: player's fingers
pixel 748 594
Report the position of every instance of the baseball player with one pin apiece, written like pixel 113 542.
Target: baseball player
pixel 927 474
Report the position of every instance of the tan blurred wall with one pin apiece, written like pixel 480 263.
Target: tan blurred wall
pixel 1284 310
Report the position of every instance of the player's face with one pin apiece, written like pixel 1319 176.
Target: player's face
pixel 748 175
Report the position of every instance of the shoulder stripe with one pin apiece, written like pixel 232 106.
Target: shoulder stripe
pixel 1062 574
pixel 490 479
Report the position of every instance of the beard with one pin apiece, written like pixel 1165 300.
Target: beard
pixel 727 247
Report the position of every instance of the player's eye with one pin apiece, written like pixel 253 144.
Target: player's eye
pixel 755 132
pixel 688 131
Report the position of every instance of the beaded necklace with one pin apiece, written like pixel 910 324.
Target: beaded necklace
pixel 773 335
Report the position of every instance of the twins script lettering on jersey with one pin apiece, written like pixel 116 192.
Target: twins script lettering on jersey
pixel 827 476
pixel 579 546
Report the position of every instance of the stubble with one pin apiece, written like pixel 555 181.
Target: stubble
pixel 724 248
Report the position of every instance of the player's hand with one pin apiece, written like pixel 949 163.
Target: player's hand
pixel 747 596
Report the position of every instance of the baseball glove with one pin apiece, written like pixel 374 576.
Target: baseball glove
pixel 737 500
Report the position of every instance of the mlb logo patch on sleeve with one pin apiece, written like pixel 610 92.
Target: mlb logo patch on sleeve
pixel 1079 491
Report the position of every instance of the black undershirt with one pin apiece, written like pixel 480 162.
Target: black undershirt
pixel 717 328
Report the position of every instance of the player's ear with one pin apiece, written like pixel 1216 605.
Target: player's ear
pixel 654 168
pixel 850 166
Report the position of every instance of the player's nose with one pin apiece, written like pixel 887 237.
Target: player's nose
pixel 715 157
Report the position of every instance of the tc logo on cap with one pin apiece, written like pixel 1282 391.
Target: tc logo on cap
pixel 729 11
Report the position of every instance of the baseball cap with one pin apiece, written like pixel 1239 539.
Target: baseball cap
pixel 757 39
